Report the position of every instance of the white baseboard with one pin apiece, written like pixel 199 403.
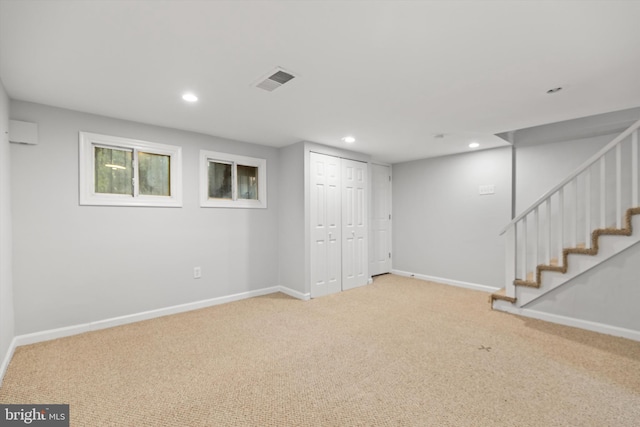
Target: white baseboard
pixel 137 317
pixel 293 293
pixel 7 359
pixel 460 284
pixel 571 321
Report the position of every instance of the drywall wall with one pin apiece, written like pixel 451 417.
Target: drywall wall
pixel 6 283
pixel 442 227
pixel 291 247
pixel 540 167
pixel 608 294
pixel 76 264
pixel 547 154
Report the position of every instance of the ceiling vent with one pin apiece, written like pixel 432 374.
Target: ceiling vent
pixel 275 79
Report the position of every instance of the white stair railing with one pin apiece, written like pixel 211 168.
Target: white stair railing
pixel 596 195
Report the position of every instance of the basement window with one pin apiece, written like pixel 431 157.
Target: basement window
pixel 118 171
pixel 232 181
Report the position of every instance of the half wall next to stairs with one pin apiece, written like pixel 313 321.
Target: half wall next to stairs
pixel 607 294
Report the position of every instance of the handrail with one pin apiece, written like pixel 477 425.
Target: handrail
pixel 604 150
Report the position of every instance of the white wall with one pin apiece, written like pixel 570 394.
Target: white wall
pixel 442 227
pixel 540 167
pixel 547 154
pixel 76 264
pixel 6 286
pixel 291 221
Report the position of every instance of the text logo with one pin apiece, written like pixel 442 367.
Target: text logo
pixel 34 415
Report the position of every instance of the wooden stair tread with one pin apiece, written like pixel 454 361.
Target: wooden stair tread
pixel 528 283
pixel 556 268
pixel 502 295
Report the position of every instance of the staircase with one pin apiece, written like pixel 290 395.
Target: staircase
pixel 580 223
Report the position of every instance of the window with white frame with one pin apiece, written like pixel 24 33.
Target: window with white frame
pixel 232 181
pixel 118 171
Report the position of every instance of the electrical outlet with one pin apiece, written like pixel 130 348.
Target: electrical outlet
pixel 197 272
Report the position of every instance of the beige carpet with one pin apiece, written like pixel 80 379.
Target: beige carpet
pixel 399 352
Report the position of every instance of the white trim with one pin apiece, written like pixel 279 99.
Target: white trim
pixel 458 283
pixel 52 334
pixel 295 294
pixel 88 196
pixel 570 321
pixel 7 359
pixel 234 160
pixel 137 317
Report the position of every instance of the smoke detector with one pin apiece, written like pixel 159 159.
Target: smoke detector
pixel 274 79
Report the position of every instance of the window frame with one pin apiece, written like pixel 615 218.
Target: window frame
pixel 88 196
pixel 235 160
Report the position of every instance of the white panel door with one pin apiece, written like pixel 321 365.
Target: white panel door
pixel 325 221
pixel 380 255
pixel 355 261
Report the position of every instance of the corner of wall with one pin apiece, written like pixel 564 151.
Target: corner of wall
pixel 291 273
pixel 7 321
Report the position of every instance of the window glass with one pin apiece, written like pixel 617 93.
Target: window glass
pixel 220 180
pixel 155 176
pixel 113 171
pixel 247 177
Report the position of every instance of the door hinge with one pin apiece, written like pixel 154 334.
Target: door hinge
pixel 389 216
pixel 389 255
pixel 389 178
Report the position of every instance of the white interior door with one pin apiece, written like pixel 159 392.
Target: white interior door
pixel 355 260
pixel 325 221
pixel 380 219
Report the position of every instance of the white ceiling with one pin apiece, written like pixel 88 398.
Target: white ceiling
pixel 391 73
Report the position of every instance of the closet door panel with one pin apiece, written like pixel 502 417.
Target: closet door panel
pixel 354 224
pixel 325 222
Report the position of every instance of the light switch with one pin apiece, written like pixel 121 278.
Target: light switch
pixel 484 190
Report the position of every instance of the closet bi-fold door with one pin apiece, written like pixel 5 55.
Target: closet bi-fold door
pixel 354 224
pixel 326 227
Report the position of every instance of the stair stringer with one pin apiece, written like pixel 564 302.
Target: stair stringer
pixel 577 264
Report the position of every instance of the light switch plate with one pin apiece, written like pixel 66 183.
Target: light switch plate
pixel 484 190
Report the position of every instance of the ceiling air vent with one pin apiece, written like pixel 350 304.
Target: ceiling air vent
pixel 274 80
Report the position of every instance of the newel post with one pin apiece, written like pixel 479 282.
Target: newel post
pixel 510 261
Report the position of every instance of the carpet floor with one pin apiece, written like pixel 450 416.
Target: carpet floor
pixel 398 352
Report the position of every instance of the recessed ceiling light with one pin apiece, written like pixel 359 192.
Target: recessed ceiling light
pixel 189 97
pixel 554 90
pixel 474 145
pixel 349 139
